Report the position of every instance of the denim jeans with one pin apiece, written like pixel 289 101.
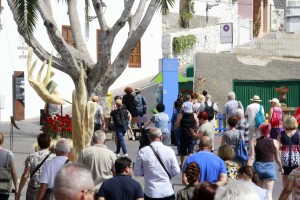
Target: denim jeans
pixel 120 132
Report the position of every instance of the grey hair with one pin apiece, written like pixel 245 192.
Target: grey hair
pixel 237 190
pixel 64 185
pixel 62 146
pixel 99 136
pixel 239 112
pixel 154 133
pixel 231 95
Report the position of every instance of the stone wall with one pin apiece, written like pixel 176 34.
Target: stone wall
pixel 208 36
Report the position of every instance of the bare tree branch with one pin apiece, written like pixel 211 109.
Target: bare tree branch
pixel 99 12
pixel 136 18
pixel 122 20
pixel 120 63
pixel 76 28
pixel 41 53
pixel 55 37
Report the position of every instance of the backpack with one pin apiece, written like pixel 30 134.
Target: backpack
pixel 120 117
pixel 241 153
pixel 210 110
pixel 274 121
pixel 259 117
pixel 5 176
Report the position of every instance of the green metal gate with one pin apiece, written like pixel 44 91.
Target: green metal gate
pixel 265 89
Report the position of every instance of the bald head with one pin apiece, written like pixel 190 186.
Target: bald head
pixel 205 143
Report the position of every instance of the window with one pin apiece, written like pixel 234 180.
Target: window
pixel 99 43
pixel 135 58
pixel 67 35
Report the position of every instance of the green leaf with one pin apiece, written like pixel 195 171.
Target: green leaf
pixel 27 14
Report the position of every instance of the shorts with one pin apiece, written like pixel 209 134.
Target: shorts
pixel 265 170
pixel 187 146
pixel 274 133
pixel 288 170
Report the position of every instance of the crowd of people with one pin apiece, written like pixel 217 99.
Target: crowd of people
pixel 207 172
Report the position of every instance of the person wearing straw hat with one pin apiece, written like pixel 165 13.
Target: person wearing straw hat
pixel 250 114
pixel 275 118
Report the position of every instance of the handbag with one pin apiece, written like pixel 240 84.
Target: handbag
pixel 5 176
pixel 159 160
pixel 241 153
pixel 259 117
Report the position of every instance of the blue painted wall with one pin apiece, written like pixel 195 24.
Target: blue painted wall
pixel 170 85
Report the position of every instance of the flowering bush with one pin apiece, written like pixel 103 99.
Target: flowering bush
pixel 58 126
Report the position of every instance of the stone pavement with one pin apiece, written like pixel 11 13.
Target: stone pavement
pixel 26 137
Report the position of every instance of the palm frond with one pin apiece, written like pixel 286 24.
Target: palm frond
pixel 165 5
pixel 27 14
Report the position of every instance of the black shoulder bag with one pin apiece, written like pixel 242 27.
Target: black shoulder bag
pixel 158 158
pixel 39 166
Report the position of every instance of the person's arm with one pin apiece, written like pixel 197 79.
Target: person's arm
pixel 175 169
pixel 196 120
pixel 101 198
pixel 288 188
pixel 103 121
pixel 140 199
pixel 138 165
pixel 252 152
pixel 222 179
pixel 14 175
pixel 23 180
pixel 197 135
pixel 270 113
pixel 177 123
pixel 42 191
pixel 277 157
pixel 147 123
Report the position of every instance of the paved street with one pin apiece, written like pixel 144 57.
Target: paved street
pixel 26 137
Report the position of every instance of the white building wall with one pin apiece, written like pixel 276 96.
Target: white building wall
pixel 10 61
pixel 208 38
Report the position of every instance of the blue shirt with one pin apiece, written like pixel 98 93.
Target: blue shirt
pixel 121 187
pixel 211 166
pixel 161 121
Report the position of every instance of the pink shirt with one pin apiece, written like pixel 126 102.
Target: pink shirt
pixel 279 113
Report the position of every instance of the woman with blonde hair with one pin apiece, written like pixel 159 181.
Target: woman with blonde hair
pixel 7 161
pixel 289 142
pixel 197 100
pixel 227 154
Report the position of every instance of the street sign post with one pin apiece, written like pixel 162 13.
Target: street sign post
pixel 226 34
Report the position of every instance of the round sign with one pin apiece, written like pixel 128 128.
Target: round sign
pixel 226 27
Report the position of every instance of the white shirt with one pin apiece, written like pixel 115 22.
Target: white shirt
pixel 157 181
pixel 50 168
pixel 251 111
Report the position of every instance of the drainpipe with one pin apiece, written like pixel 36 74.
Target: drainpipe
pixel 270 17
